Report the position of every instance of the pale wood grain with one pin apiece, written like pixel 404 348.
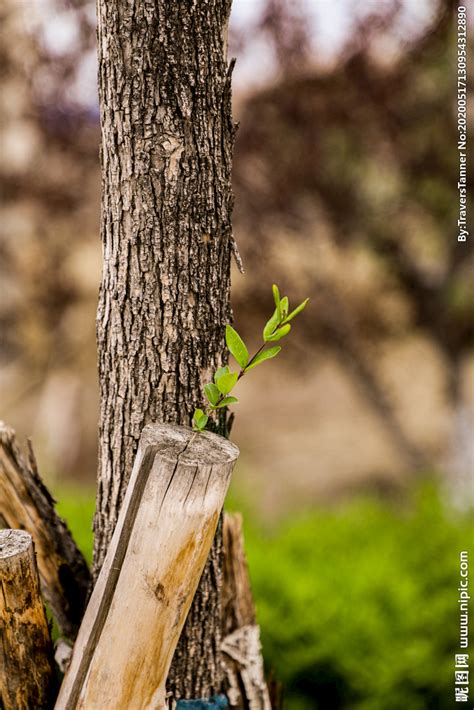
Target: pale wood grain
pixel 152 569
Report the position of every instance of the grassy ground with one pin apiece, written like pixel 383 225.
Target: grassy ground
pixel 76 505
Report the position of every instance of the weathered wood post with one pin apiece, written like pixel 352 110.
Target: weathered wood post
pixel 27 675
pixel 25 503
pixel 152 569
pixel 241 634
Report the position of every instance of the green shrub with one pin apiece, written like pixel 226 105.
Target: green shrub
pixel 358 607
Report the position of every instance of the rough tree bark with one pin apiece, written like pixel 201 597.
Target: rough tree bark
pixel 167 139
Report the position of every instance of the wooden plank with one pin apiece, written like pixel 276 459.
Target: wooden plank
pixel 158 551
pixel 27 675
pixel 25 503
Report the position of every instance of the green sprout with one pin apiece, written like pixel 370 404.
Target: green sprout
pixel 218 392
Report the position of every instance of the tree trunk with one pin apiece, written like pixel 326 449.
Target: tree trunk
pixel 167 139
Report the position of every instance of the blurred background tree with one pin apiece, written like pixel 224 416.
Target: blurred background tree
pixel 50 255
pixel 345 178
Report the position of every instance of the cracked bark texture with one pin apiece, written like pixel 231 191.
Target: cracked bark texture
pixel 167 139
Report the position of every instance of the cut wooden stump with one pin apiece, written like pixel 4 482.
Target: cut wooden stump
pixel 27 675
pixel 241 645
pixel 152 569
pixel 26 504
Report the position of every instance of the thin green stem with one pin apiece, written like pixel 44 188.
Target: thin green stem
pixel 283 317
pixel 242 372
pixel 211 407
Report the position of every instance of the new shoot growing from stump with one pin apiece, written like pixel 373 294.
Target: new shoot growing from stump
pixel 218 391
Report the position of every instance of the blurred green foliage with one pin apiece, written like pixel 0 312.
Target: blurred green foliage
pixel 357 605
pixel 76 505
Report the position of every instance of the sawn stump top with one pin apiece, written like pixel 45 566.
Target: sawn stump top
pixel 192 448
pixel 13 542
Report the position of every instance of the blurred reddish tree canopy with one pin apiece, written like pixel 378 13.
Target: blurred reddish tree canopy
pixel 356 168
pixel 345 177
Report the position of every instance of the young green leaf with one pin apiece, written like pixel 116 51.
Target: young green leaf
pixel 297 310
pixel 264 355
pixel 276 295
pixel 202 422
pixel 280 333
pixel 276 298
pixel 236 346
pixel 284 305
pixel 226 382
pixel 199 419
pixel 221 371
pixel 212 392
pixel 271 325
pixel 227 401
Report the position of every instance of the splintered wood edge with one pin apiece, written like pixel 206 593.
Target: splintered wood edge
pixel 7 434
pixel 192 448
pixel 26 504
pixel 13 543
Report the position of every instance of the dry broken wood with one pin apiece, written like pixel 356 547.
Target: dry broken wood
pixel 27 674
pixel 26 504
pixel 241 645
pixel 152 569
pixel 237 602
